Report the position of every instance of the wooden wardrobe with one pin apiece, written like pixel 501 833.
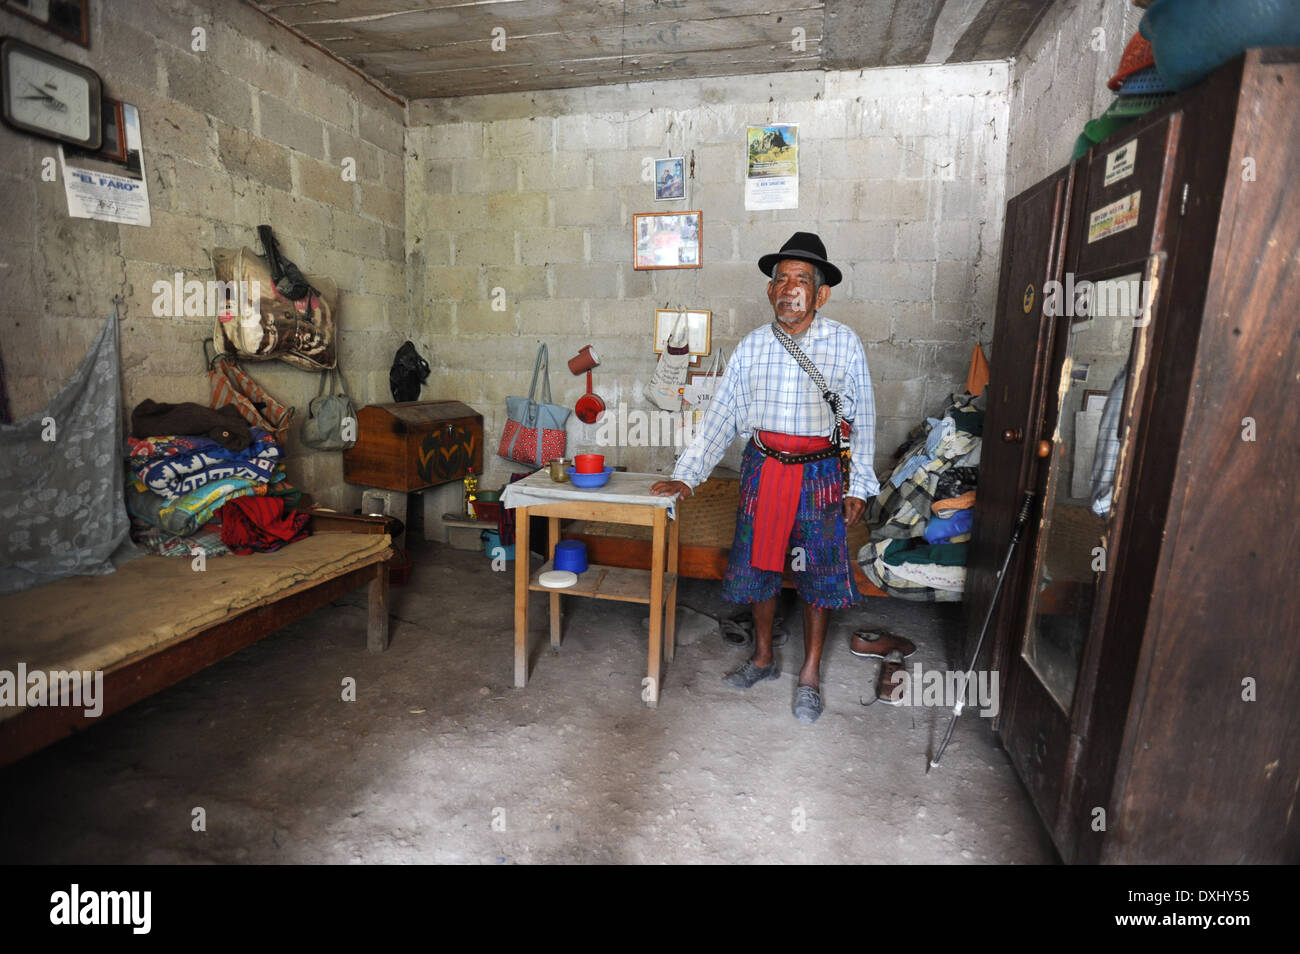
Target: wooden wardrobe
pixel 1149 644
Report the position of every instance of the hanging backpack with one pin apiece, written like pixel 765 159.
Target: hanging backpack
pixel 408 374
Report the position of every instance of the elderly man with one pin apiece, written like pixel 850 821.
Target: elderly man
pixel 790 384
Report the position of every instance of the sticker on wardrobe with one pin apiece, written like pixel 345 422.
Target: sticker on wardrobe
pixel 1120 162
pixel 1114 217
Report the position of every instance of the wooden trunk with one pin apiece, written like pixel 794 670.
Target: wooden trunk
pixel 1148 648
pixel 414 445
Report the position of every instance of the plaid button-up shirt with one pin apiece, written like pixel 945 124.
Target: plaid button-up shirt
pixel 764 389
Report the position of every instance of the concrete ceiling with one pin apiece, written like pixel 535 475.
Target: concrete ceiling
pixel 434 48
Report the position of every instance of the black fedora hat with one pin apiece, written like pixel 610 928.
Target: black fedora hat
pixel 805 247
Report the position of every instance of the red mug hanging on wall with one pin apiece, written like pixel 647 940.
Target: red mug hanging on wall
pixel 591 405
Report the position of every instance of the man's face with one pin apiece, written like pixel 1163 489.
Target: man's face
pixel 791 293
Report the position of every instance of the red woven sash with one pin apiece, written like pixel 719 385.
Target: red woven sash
pixel 778 498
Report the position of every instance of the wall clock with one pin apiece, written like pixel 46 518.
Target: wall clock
pixel 49 95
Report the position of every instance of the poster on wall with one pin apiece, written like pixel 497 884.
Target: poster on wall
pixel 100 188
pixel 772 167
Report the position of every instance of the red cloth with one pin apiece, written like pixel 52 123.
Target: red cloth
pixel 779 486
pixel 260 524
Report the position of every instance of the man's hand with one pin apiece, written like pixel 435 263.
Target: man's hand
pixel 666 488
pixel 854 508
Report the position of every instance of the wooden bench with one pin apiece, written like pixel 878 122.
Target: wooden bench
pixel 158 620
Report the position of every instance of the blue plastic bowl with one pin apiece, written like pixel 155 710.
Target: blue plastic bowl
pixel 590 480
pixel 571 555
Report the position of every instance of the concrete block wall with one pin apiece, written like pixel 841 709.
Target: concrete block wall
pixel 1058 83
pixel 254 129
pixel 902 172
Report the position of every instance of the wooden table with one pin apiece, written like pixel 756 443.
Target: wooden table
pixel 656 587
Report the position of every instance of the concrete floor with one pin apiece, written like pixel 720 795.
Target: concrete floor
pixel 439 759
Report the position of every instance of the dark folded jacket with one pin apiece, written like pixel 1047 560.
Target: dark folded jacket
pixel 225 426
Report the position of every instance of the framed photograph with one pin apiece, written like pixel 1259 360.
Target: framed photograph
pixel 69 19
pixel 1094 400
pixel 667 239
pixel 670 178
pixel 698 327
pixel 113 127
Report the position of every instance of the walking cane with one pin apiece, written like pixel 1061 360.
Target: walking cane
pixel 1022 518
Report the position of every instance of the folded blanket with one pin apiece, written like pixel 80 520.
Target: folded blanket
pixel 949 506
pixel 184 471
pixel 888 579
pixel 140 450
pixel 205 540
pixel 186 514
pixel 898 553
pixel 951 579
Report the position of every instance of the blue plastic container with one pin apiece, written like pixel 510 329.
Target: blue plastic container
pixel 492 545
pixel 571 555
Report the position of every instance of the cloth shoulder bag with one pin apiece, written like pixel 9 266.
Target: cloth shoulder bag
pixel 534 432
pixel 256 322
pixel 329 414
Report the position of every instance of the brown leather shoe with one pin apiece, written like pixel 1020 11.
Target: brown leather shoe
pixel 876 644
pixel 891 684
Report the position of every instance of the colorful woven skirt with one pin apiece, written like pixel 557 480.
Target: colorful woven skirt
pixel 818 558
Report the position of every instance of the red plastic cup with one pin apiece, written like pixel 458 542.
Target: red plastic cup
pixel 589 463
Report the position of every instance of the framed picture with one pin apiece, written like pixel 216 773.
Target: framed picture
pixel 698 330
pixel 113 127
pixel 670 178
pixel 69 19
pixel 667 239
pixel 1094 400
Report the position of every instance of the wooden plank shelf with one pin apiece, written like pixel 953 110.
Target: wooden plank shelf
pixel 606 583
pixel 455 520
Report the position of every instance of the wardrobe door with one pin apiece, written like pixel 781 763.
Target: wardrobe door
pixel 1106 313
pixel 1032 253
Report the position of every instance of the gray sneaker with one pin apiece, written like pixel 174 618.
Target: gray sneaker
pixel 748 674
pixel 807 705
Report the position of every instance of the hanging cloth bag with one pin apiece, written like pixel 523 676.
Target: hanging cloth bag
pixel 229 384
pixel 331 423
pixel 534 431
pixel 699 392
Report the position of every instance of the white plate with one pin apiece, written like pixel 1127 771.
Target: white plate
pixel 557 579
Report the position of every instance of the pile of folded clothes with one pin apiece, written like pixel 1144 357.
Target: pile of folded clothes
pixel 185 462
pixel 921 519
